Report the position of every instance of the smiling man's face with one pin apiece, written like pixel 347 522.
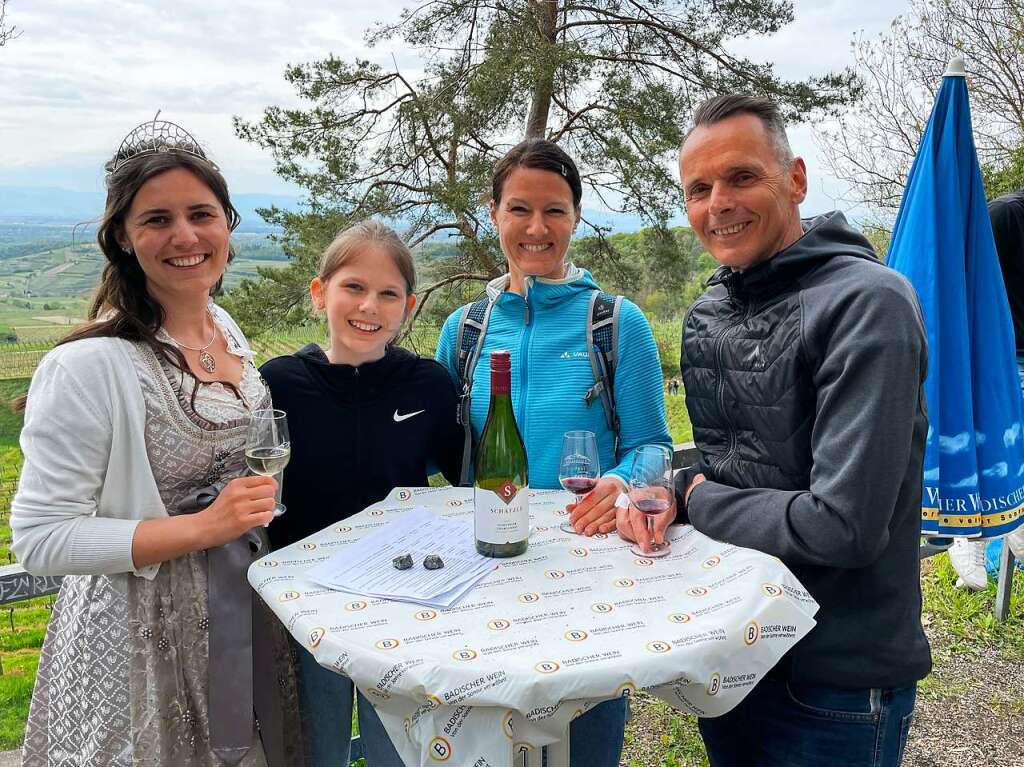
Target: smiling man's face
pixel 741 199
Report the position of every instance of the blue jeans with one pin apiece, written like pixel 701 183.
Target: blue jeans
pixel 595 739
pixel 788 724
pixel 326 701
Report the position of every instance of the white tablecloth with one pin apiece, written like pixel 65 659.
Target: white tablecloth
pixel 549 634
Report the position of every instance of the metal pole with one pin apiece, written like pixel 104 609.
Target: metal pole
pixel 1004 587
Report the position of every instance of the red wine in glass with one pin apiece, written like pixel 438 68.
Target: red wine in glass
pixel 579 467
pixel 651 493
pixel 580 486
pixel 652 506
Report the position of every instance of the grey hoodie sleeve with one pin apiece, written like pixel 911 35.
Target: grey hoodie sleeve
pixel 867 352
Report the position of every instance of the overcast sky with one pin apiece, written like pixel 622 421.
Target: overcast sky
pixel 84 72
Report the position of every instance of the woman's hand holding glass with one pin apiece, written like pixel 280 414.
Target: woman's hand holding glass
pixel 596 512
pixel 244 503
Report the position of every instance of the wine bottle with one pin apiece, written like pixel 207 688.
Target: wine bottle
pixel 501 490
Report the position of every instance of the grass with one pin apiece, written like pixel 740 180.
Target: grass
pixel 966 617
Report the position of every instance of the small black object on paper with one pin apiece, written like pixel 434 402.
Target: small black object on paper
pixel 433 562
pixel 403 562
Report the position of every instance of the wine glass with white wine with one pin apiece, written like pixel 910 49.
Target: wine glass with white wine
pixel 268 446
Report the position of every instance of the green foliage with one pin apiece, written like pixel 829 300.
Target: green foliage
pixel 1005 177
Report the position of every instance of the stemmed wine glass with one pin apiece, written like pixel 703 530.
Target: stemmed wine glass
pixel 267 446
pixel 650 491
pixel 580 467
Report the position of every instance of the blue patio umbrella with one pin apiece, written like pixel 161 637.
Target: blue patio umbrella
pixel 942 242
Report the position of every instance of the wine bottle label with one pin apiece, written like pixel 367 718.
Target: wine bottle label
pixel 503 516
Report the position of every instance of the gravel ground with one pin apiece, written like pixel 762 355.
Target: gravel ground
pixel 969 713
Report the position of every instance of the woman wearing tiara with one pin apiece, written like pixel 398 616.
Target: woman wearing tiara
pixel 134 489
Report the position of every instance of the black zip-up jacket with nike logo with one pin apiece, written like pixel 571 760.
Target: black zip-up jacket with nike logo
pixel 804 380
pixel 359 432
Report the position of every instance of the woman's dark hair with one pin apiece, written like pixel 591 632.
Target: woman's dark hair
pixel 541 154
pixel 122 307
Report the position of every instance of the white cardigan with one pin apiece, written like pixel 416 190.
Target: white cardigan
pixel 86 482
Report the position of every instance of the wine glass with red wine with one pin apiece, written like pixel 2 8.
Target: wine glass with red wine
pixel 650 491
pixel 580 467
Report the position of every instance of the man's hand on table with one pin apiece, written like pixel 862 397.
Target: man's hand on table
pixel 632 525
pixel 596 512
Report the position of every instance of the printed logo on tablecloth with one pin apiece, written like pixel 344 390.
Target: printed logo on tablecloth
pixel 643 562
pixel 751 633
pixel 679 617
pixel 600 536
pixel 625 690
pixel 698 591
pixel 315 636
pixel 710 562
pixel 506 726
pixel 521 750
pixel 465 654
pixel 376 512
pixel 403 494
pixel 624 583
pixel 440 749
pixel 576 635
pixel 454 503
pixel 356 606
pixel 528 598
pixel 554 575
pixel 386 644
pixel 714 684
pixel 288 596
pixel 343 529
pixel 561 513
pixel 580 551
pixel 499 624
pixel 601 608
pixel 772 589
pixel 425 615
pixel 309 547
pixel 658 646
pixel 269 563
pixel 547 666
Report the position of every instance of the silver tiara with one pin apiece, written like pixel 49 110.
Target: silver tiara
pixel 153 137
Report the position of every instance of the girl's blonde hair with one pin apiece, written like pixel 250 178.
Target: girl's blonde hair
pixel 350 241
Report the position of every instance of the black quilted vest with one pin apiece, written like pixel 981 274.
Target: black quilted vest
pixel 748 390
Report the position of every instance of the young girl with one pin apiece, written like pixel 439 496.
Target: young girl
pixel 364 417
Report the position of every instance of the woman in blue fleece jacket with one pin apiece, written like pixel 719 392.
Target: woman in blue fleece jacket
pixel 539 315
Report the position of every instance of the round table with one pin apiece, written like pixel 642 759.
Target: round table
pixel 546 636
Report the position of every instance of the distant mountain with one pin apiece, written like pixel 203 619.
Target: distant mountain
pixel 53 205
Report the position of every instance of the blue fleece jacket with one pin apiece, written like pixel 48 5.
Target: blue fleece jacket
pixel 546 334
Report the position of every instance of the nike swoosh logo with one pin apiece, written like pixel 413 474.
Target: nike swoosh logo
pixel 400 418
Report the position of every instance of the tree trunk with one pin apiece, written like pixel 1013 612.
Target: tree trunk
pixel 546 13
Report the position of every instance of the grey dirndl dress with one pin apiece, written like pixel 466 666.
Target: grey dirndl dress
pixel 122 677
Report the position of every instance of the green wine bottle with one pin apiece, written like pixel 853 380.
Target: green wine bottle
pixel 501 491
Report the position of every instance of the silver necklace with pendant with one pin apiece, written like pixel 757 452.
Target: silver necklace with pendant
pixel 206 360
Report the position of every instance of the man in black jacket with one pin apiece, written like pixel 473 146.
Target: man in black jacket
pixel 803 367
pixel 1007 214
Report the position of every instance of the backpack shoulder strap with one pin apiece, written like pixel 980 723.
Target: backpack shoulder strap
pixel 603 348
pixel 469 342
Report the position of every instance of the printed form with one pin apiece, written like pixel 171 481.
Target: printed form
pixel 365 568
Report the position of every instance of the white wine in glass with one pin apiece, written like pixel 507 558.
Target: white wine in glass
pixel 267 446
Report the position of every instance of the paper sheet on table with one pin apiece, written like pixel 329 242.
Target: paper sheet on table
pixel 365 567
